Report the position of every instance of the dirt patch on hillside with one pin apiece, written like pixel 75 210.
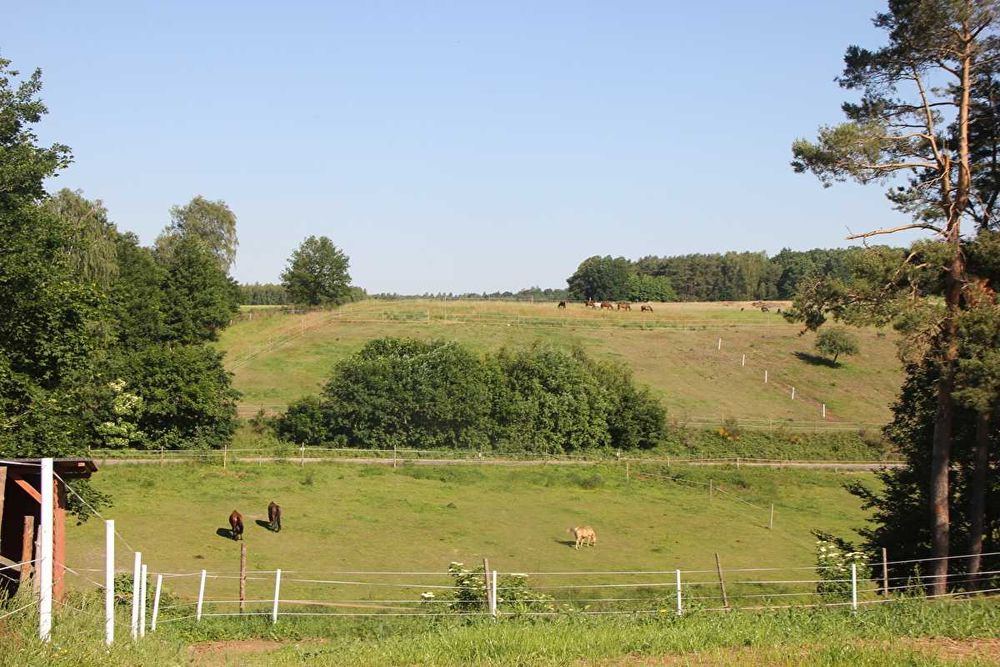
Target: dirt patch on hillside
pixel 228 652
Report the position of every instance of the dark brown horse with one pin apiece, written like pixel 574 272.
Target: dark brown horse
pixel 624 306
pixel 274 516
pixel 607 305
pixel 590 303
pixel 236 523
pixel 646 308
pixel 562 304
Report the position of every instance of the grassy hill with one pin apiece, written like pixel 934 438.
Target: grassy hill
pixel 277 357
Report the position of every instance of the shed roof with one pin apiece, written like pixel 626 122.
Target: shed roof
pixel 64 467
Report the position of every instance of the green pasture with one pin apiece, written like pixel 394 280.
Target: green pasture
pixel 341 517
pixel 278 356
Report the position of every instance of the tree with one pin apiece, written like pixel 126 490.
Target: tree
pixel 316 274
pixel 91 237
pixel 601 278
pixel 913 133
pixel 835 342
pixel 199 299
pixel 212 222
pixel 24 165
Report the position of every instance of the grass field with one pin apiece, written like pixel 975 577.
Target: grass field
pixel 419 518
pixel 277 357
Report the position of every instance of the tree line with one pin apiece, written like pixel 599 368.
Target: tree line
pixel 730 276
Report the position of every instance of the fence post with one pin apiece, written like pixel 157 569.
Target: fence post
pixel 45 559
pixel 680 608
pixel 765 377
pixel 493 597
pixel 628 473
pixel 302 455
pixel 142 602
pixel 824 411
pixel 486 584
pixel 28 554
pixel 225 454
pixel 720 344
pixel 722 581
pixel 744 362
pixel 109 582
pixel 136 572
pixel 201 596
pixel 277 591
pixel 854 586
pixel 156 602
pixel 793 393
pixel 885 572
pixel 243 576
pixel 770 522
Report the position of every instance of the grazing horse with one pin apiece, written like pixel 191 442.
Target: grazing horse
pixel 562 304
pixel 624 306
pixel 590 303
pixel 274 516
pixel 607 305
pixel 584 535
pixel 236 523
pixel 646 308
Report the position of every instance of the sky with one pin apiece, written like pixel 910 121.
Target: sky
pixel 454 146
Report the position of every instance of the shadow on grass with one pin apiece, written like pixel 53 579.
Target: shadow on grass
pixel 816 360
pixel 568 543
pixel 264 524
pixel 226 533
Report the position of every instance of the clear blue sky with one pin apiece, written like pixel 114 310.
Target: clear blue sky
pixel 454 146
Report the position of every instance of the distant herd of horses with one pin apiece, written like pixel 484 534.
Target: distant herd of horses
pixel 607 305
pixel 273 521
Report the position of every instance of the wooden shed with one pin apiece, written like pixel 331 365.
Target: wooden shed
pixel 20 515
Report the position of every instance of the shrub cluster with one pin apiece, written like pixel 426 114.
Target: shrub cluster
pixel 438 394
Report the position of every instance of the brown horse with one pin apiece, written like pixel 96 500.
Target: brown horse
pixel 562 304
pixel 624 306
pixel 590 303
pixel 646 308
pixel 607 305
pixel 236 524
pixel 274 516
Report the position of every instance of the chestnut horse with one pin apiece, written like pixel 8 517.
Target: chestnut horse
pixel 647 309
pixel 607 305
pixel 236 524
pixel 274 516
pixel 562 304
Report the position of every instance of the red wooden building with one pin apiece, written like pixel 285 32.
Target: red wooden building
pixel 20 516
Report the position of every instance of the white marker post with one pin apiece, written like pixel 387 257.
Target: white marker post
pixel 765 377
pixel 142 602
pixel 744 362
pixel 854 586
pixel 156 603
pixel 720 345
pixel 277 592
pixel 45 562
pixel 680 607
pixel 793 393
pixel 201 597
pixel 493 598
pixel 824 411
pixel 109 582
pixel 136 573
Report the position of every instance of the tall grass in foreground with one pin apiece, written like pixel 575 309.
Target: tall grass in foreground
pixel 884 635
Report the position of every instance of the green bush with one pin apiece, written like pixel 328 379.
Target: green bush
pixel 429 395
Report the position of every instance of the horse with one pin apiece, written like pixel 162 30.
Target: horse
pixel 646 308
pixel 274 516
pixel 624 306
pixel 607 305
pixel 590 304
pixel 236 525
pixel 584 535
pixel 562 304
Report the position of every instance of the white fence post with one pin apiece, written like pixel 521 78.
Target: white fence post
pixel 201 596
pixel 493 597
pixel 744 362
pixel 765 377
pixel 136 572
pixel 680 607
pixel 45 563
pixel 277 591
pixel 793 393
pixel 142 600
pixel 824 411
pixel 854 586
pixel 720 345
pixel 156 603
pixel 109 582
